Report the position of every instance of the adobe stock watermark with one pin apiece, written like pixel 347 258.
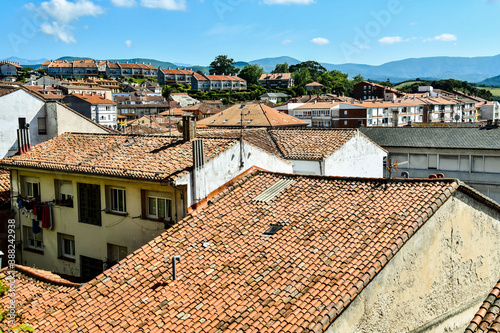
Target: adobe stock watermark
pixel 29 29
pixel 10 278
pixel 222 7
pixel 372 29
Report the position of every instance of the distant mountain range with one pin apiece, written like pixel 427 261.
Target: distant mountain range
pixel 483 70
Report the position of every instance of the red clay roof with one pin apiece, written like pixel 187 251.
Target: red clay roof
pixel 276 76
pixel 94 99
pixel 311 144
pixel 336 235
pixel 127 66
pixel 254 115
pixel 153 158
pixel 178 71
pixel 487 318
pixel 4 187
pixel 314 84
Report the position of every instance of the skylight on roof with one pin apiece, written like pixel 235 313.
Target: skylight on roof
pixel 274 228
pixel 248 122
pixel 225 121
pixel 272 191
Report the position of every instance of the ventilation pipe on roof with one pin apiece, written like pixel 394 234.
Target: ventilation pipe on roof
pixel 405 174
pixel 175 259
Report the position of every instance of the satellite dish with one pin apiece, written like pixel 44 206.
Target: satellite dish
pixel 180 127
pixel 457 117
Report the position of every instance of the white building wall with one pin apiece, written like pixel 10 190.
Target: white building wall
pixel 61 119
pixel 19 104
pixel 358 157
pixel 302 167
pixel 226 166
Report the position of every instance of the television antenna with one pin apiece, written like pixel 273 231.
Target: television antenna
pixel 392 166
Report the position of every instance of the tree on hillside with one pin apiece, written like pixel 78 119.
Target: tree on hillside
pixel 336 82
pixel 357 79
pixel 302 77
pixel 251 73
pixel 281 68
pixel 315 69
pixel 223 65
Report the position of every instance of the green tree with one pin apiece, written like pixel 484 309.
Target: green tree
pixel 315 69
pixel 251 73
pixel 336 82
pixel 357 79
pixel 302 77
pixel 281 68
pixel 223 65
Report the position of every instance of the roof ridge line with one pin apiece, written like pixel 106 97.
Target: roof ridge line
pixel 30 272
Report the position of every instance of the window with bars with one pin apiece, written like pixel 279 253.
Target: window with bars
pixel 89 204
pixel 90 267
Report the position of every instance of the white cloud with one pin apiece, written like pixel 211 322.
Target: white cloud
pixel 62 32
pixel 165 4
pixel 124 3
pixel 391 40
pixel 128 42
pixel 442 38
pixel 59 13
pixel 362 46
pixel 63 11
pixel 287 42
pixel 320 41
pixel 288 2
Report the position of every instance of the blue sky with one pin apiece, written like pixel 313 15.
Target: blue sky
pixel 196 31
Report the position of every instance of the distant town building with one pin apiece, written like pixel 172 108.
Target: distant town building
pixel 276 80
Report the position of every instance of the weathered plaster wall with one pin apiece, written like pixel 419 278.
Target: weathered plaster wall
pixel 130 231
pixel 437 281
pixel 358 157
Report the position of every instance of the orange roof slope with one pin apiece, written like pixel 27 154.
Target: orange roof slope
pixel 487 318
pixel 32 286
pixel 4 187
pixel 94 99
pixel 336 235
pixel 254 115
pixel 126 156
pixel 311 144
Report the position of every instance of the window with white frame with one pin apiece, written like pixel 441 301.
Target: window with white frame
pixel 64 192
pixel 158 207
pixel 117 200
pixel 31 187
pixel 66 246
pixel 32 241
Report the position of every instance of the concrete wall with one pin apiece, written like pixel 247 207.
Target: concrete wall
pixel 61 119
pixel 437 281
pixel 302 167
pixel 130 231
pixel 487 183
pixel 358 157
pixel 13 106
pixel 226 166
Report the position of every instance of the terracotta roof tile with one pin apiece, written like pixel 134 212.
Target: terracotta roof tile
pixel 232 278
pixel 4 187
pixel 487 318
pixel 126 156
pixel 254 115
pixel 310 144
pixel 93 99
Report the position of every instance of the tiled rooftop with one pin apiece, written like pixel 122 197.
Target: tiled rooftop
pixel 336 235
pixel 310 144
pixel 93 98
pixel 254 115
pixel 276 76
pixel 4 187
pixel 126 156
pixel 487 319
